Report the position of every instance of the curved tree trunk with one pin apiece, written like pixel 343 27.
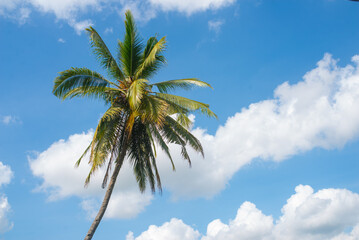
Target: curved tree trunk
pixel 107 197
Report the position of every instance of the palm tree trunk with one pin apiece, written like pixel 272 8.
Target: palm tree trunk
pixel 107 197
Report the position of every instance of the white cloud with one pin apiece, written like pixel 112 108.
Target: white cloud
pixel 61 179
pixel 5 209
pixel 9 119
pixel 173 230
pixel 215 25
pixel 108 30
pixel 189 6
pixel 73 11
pixel 142 10
pixel 5 176
pixel 320 111
pixel 24 14
pixel 67 10
pixel 320 215
pixel 14 9
pixel 80 26
pixel 61 40
pixel 250 223
pixel 323 215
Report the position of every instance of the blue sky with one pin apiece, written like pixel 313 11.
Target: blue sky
pixel 281 161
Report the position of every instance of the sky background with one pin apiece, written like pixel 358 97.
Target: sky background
pixel 281 161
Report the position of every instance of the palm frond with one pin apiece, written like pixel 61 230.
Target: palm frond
pixel 77 164
pixel 151 53
pixel 151 69
pixel 136 92
pixel 172 136
pixel 153 109
pixel 80 82
pixel 185 134
pixel 104 139
pixel 117 147
pixel 184 120
pixel 186 83
pixel 156 134
pixel 141 153
pixel 187 103
pixel 104 55
pixel 131 48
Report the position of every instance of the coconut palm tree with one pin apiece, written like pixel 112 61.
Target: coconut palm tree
pixel 141 115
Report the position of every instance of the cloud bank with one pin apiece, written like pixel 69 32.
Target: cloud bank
pixel 72 11
pixel 5 178
pixel 324 215
pixel 319 111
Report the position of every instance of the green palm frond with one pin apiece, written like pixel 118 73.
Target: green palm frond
pixel 153 110
pixel 157 175
pixel 150 55
pixel 131 48
pixel 156 134
pixel 185 134
pixel 185 155
pixel 152 68
pixel 104 55
pixel 105 138
pixel 80 82
pixel 184 120
pixel 186 83
pixel 77 164
pixel 186 103
pixel 172 136
pixel 117 146
pixel 141 155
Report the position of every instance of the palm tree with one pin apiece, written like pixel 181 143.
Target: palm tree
pixel 141 114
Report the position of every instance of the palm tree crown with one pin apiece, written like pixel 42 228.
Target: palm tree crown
pixel 141 114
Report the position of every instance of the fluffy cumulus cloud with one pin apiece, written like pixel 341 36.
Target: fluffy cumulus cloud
pixel 321 215
pixel 324 215
pixel 173 230
pixel 250 223
pixel 73 11
pixel 5 209
pixel 320 111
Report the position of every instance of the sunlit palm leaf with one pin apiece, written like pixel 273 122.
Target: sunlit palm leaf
pixel 150 55
pixel 136 92
pixel 187 83
pixel 186 103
